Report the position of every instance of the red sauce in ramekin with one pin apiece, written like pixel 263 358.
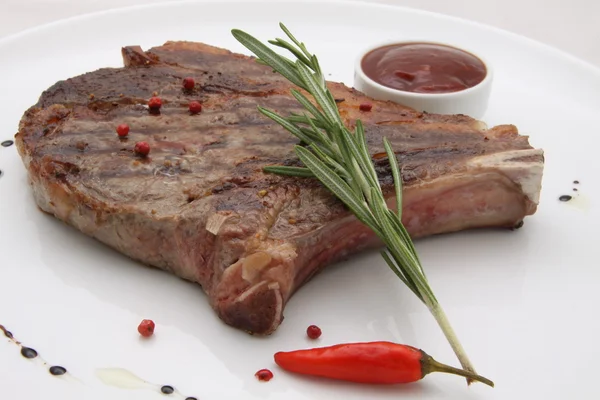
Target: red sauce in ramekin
pixel 423 68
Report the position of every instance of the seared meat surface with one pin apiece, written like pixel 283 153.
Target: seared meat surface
pixel 200 206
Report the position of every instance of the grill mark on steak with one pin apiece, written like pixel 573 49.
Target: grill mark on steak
pixel 200 205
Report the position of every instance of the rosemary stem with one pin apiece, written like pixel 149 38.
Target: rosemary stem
pixel 341 160
pixel 440 316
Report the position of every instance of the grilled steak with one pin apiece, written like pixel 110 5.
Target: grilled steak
pixel 200 206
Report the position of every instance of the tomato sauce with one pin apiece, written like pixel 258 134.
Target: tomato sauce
pixel 423 68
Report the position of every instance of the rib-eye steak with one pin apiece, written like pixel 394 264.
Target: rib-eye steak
pixel 200 206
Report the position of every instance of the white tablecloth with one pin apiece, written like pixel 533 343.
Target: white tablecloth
pixel 572 26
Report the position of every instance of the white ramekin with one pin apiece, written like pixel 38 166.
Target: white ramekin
pixel 472 101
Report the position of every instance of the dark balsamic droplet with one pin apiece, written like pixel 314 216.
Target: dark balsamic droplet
pixel 167 389
pixel 575 189
pixel 191 398
pixel 57 370
pixel 576 182
pixel 565 197
pixel 1 173
pixel 7 143
pixel 28 352
pixel 7 333
pixel 518 225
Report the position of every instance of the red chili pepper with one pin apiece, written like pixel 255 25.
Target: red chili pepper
pixel 370 362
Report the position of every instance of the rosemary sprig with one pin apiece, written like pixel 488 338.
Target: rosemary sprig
pixel 340 159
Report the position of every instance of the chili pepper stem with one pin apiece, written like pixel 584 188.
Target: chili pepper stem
pixel 428 365
pixel 440 316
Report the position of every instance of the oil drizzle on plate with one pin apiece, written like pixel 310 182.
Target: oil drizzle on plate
pixel 124 379
pixel 117 377
pixel 31 354
pixel 577 199
pixel 121 378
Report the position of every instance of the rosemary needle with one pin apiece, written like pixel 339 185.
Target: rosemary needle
pixel 341 161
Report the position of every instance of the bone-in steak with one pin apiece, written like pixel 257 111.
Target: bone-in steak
pixel 200 206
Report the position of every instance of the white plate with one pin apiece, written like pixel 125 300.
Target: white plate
pixel 523 302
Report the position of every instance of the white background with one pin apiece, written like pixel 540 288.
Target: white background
pixel 532 292
pixel 572 26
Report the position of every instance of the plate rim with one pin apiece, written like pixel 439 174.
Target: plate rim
pixel 554 51
pixel 65 23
